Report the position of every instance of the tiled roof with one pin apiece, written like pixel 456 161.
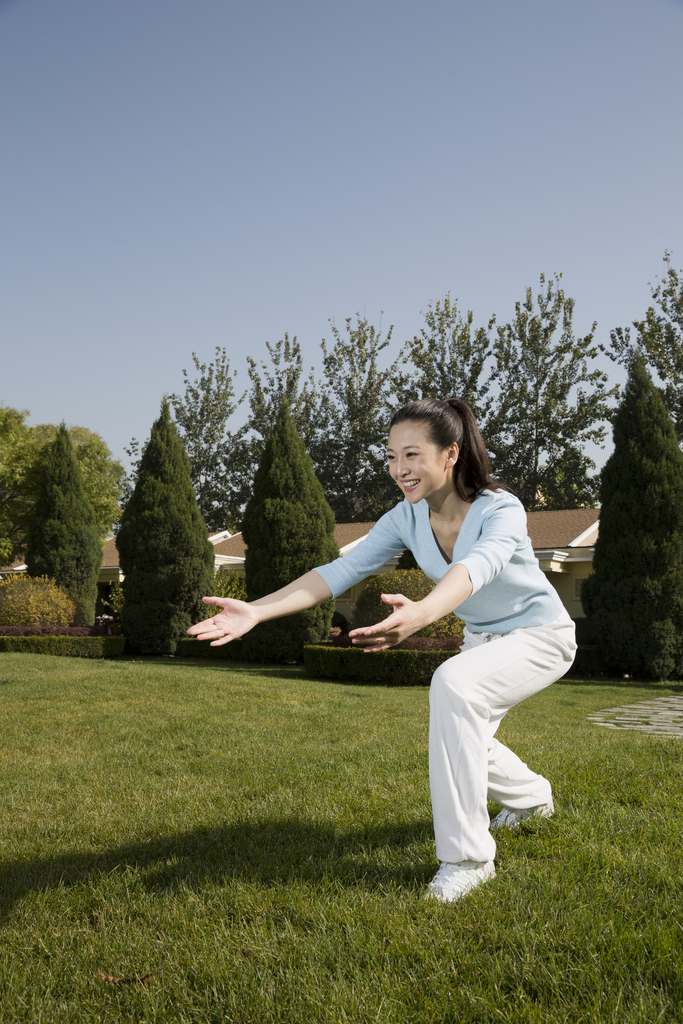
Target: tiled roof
pixel 110 554
pixel 558 529
pixel 234 546
pixel 345 533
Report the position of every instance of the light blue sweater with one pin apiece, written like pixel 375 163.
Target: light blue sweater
pixel 509 588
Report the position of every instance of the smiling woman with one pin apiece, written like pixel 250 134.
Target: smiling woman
pixel 468 533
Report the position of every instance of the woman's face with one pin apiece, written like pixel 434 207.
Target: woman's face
pixel 417 465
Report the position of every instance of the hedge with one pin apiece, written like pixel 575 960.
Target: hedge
pixel 392 667
pixel 66 646
pixel 189 647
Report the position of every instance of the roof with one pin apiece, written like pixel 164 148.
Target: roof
pixel 110 554
pixel 559 529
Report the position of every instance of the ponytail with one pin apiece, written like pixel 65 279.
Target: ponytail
pixel 451 421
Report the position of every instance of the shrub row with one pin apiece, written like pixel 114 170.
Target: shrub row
pixel 66 646
pixel 48 631
pixel 412 643
pixel 189 647
pixel 392 668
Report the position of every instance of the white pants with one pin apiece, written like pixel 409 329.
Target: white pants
pixel 469 696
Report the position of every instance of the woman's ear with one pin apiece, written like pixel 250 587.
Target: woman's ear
pixel 452 454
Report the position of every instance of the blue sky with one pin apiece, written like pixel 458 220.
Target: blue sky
pixel 177 176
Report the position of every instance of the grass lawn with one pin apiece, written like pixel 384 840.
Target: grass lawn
pixel 259 843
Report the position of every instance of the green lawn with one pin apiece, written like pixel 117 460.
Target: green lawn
pixel 259 842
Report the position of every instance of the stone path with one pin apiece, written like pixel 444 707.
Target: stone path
pixel 662 715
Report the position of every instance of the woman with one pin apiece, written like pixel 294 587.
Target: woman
pixel 469 534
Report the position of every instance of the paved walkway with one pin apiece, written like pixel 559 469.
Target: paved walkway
pixel 662 715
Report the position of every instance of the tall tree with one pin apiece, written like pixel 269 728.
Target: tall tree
pixel 634 598
pixel 21 449
pixel 551 403
pixel 289 529
pixel 350 450
pixel 282 381
pixel 165 555
pixel 448 358
pixel 218 457
pixel 660 337
pixel 63 542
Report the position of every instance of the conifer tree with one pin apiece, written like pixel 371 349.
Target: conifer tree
pixel 634 598
pixel 289 529
pixel 63 541
pixel 165 555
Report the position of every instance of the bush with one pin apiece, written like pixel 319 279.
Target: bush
pixel 115 600
pixel 226 583
pixel 288 528
pixel 34 601
pixel 192 648
pixel 634 597
pixel 48 631
pixel 392 668
pixel 63 541
pixel 165 554
pixel 64 646
pixel 413 584
pixel 411 643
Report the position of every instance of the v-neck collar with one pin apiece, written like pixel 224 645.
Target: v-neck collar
pixel 442 553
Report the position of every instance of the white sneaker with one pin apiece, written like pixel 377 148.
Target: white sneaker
pixel 511 819
pixel 452 881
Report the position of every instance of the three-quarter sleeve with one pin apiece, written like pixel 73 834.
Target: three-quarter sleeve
pixel 382 543
pixel 503 530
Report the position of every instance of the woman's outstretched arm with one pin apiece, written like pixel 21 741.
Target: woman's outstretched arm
pixel 238 617
pixel 410 616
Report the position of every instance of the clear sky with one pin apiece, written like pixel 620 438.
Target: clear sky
pixel 176 176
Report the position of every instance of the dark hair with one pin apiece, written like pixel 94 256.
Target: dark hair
pixel 450 421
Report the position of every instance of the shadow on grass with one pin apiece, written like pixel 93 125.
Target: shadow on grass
pixel 267 852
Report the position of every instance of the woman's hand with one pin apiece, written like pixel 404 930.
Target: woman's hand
pixel 406 619
pixel 236 619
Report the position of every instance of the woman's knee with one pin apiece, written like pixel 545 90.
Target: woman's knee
pixel 447 687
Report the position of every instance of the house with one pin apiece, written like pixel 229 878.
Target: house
pixel 562 541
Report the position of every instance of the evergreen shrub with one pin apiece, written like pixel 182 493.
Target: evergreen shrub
pixel 163 544
pixel 64 646
pixel 190 647
pixel 413 584
pixel 288 528
pixel 34 601
pixel 48 631
pixel 634 597
pixel 63 541
pixel 392 668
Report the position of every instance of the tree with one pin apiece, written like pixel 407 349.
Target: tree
pixel 271 386
pixel 350 451
pixel 63 541
pixel 550 404
pixel 218 458
pixel 165 555
pixel 660 338
pixel 446 359
pixel 634 598
pixel 289 529
pixel 21 448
